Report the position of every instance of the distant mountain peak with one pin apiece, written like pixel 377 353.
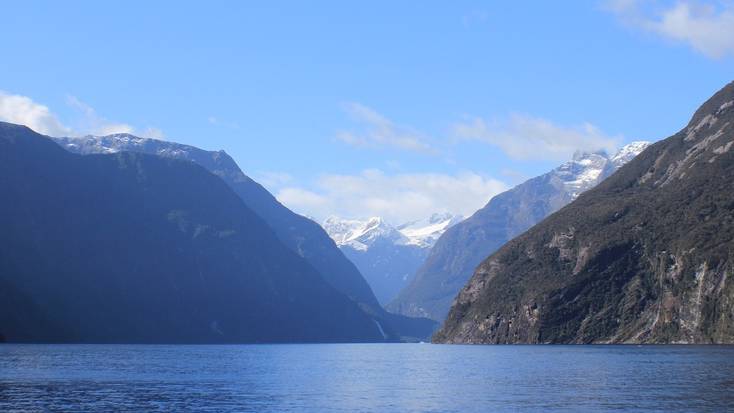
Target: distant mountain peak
pixel 643 258
pixel 587 169
pixel 441 217
pixel 388 255
pixel 361 234
pixel 425 233
pixel 629 151
pixel 581 155
pixel 461 248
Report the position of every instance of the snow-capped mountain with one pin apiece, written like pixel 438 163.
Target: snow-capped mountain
pixel 390 255
pixel 217 162
pixel 461 248
pixel 110 144
pixel 586 170
pixel 644 258
pixel 387 255
pixel 628 152
pixel 425 233
pixel 361 234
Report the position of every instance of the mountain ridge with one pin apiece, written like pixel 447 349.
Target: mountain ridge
pixel 136 248
pixel 461 248
pixel 645 257
pixel 302 235
pixel 360 233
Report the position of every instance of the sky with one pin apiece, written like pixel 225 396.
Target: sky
pixel 392 109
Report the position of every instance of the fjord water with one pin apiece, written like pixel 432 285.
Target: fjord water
pixel 365 377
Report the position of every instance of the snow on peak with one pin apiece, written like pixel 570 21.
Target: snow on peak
pixel 425 233
pixel 583 155
pixel 583 172
pixel 105 144
pixel 628 152
pixel 362 234
pixel 125 142
pixel 216 161
pixel 586 169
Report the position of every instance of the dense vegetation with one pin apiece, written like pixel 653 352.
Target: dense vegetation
pixel 646 257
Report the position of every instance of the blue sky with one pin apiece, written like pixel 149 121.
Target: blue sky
pixel 397 109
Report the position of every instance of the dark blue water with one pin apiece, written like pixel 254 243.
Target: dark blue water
pixel 366 378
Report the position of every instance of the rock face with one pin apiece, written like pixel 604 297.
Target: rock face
pixel 461 248
pixel 302 235
pixel 645 257
pixel 299 233
pixel 387 255
pixel 129 247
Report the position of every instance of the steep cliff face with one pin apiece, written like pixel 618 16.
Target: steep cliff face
pixel 303 236
pixel 645 257
pixel 134 248
pixel 459 251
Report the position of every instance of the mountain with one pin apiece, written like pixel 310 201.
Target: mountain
pixel 387 255
pixel 424 233
pixel 362 234
pixel 302 235
pixel 645 257
pixel 461 248
pixel 129 247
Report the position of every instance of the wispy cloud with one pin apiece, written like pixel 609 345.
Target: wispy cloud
pixel 303 200
pixel 397 197
pixel 474 17
pixel 90 122
pixel 373 130
pixel 23 110
pixel 707 27
pixel 274 179
pixel 527 137
pixel 213 120
pixel 154 133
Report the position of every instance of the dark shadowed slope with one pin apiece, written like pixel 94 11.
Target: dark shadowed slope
pixel 137 248
pixel 646 257
pixel 462 247
pixel 298 233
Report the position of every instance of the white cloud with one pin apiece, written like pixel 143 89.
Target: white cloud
pixel 621 6
pixel 23 110
pixel 398 198
pixel 274 179
pixel 527 137
pixel 94 124
pixel 154 133
pixel 474 17
pixel 375 131
pixel 707 27
pixel 218 122
pixel 112 128
pixel 302 200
